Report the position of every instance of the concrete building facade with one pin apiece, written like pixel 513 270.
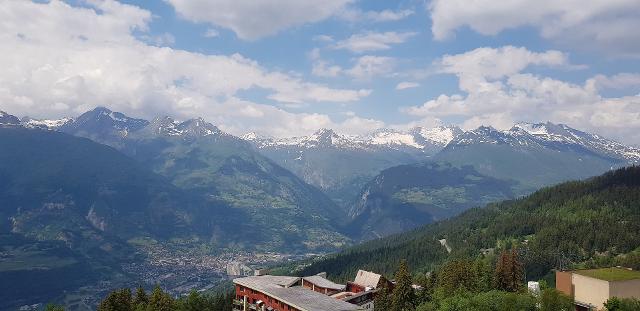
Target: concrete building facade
pixel 592 288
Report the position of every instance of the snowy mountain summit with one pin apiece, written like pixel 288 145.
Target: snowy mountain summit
pixel 416 140
pixel 431 140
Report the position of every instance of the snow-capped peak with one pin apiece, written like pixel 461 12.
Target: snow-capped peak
pixel 391 137
pixel 52 124
pixel 415 140
pixel 251 136
pixel 196 127
pixel 441 135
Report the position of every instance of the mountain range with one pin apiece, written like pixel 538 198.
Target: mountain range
pixel 84 195
pixel 198 157
pixel 360 186
pixel 341 165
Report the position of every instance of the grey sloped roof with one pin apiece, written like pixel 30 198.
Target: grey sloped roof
pixel 367 279
pixel 296 296
pixel 322 282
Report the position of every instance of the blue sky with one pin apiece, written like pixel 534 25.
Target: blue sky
pixel 289 67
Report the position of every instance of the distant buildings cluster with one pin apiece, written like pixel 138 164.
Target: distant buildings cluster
pixel 311 293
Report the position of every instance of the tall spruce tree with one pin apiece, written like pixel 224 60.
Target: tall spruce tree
pixel 403 297
pixel 383 300
pixel 509 273
pixel 141 299
pixel 160 301
pixel 117 300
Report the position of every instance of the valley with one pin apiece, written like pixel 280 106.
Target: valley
pixel 122 201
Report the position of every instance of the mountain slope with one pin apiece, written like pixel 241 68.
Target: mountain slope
pixel 341 165
pixel 404 197
pixel 591 222
pixel 535 160
pixel 198 157
pixel 7 119
pixel 70 207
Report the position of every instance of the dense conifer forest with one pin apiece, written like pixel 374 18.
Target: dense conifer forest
pixel 576 224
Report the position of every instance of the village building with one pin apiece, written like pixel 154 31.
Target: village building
pixel 311 293
pixel 592 288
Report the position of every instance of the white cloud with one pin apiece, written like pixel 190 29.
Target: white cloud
pixel 373 41
pixel 62 60
pixel 479 68
pixel 357 15
pixel 406 85
pixel 251 20
pixel 322 68
pixel 323 38
pixel 603 24
pixel 211 33
pixel 388 15
pixel 618 81
pixel 500 95
pixel 364 68
pixel 368 66
pixel 164 39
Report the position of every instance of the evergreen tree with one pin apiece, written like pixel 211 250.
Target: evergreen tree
pixel 118 300
pixel 383 300
pixel 509 273
pixel 483 275
pixel 53 307
pixel 141 299
pixel 457 275
pixel 160 301
pixel 428 283
pixel 403 296
pixel 194 302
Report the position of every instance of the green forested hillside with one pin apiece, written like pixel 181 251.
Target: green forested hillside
pixel 580 223
pixel 197 157
pixel 70 206
pixel 407 196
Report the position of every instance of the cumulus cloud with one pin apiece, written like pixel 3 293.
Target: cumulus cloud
pixel 251 20
pixel 62 60
pixel 501 95
pixel 368 66
pixel 406 85
pixel 479 68
pixel 373 41
pixel 357 15
pixel 618 81
pixel 603 24
pixel 364 68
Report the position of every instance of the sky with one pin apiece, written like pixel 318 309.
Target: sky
pixel 290 67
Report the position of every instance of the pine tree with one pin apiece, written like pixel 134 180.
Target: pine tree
pixel 509 273
pixel 117 300
pixel 53 307
pixel 160 301
pixel 382 300
pixel 141 299
pixel 403 297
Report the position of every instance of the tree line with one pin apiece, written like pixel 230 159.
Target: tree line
pixel 581 224
pixel 484 283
